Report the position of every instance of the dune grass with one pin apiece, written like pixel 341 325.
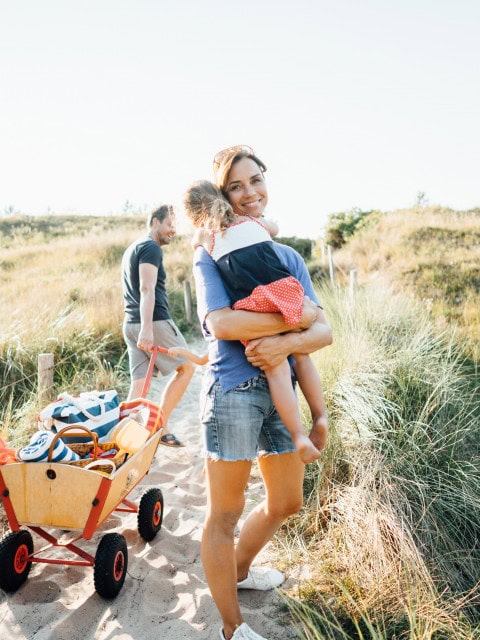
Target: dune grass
pixel 62 294
pixel 387 545
pixel 431 252
pixel 390 527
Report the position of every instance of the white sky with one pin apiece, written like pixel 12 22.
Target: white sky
pixel 350 103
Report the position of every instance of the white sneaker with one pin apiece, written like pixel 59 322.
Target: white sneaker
pixel 262 579
pixel 243 632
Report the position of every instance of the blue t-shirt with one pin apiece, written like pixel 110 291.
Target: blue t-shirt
pixel 226 358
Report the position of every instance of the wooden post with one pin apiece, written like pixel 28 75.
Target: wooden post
pixel 352 287
pixel 330 265
pixel 322 250
pixel 187 295
pixel 45 377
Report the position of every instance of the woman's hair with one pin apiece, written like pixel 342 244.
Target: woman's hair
pixel 206 207
pixel 224 161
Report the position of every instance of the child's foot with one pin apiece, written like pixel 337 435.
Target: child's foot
pixel 307 451
pixel 319 432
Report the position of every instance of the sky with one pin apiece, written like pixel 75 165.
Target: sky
pixel 112 106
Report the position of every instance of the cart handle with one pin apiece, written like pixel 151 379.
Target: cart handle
pixel 148 377
pixel 76 427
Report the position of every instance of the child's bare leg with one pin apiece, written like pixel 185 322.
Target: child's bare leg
pixel 311 386
pixel 285 401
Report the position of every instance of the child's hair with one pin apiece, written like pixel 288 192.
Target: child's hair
pixel 206 206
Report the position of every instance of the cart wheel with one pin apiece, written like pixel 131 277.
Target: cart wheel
pixel 15 549
pixel 110 566
pixel 150 514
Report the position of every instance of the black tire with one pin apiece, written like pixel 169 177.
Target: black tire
pixel 150 514
pixel 15 548
pixel 110 567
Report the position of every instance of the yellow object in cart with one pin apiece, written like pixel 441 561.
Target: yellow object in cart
pixel 131 437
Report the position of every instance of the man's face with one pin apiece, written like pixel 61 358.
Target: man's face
pixel 164 231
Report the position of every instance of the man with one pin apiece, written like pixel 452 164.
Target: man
pixel 147 319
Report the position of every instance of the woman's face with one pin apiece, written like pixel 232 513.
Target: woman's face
pixel 246 189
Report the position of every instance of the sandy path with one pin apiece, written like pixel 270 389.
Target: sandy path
pixel 165 594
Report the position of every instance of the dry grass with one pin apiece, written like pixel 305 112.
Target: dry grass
pixel 387 538
pixel 431 252
pixel 72 283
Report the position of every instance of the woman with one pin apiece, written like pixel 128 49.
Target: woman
pixel 256 280
pixel 239 420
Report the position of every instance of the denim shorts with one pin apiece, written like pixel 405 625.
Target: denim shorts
pixel 242 424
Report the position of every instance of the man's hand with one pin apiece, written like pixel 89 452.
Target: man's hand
pixel 145 340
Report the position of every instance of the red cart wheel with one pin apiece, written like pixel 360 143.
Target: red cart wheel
pixel 150 514
pixel 15 549
pixel 110 566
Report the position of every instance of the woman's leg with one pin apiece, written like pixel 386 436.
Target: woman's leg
pixel 226 482
pixel 311 386
pixel 286 403
pixel 283 479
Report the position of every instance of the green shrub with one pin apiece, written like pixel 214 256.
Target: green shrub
pixel 341 226
pixel 302 245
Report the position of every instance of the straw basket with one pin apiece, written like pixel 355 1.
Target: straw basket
pixel 86 448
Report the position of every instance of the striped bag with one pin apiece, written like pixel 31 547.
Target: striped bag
pixel 98 411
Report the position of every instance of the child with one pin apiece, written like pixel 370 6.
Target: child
pixel 186 353
pixel 236 243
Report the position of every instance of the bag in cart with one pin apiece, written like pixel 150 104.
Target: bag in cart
pixel 97 411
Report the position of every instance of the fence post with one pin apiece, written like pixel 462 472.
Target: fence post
pixel 330 264
pixel 187 296
pixel 322 250
pixel 45 377
pixel 352 288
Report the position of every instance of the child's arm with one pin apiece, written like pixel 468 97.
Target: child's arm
pixel 270 225
pixel 194 357
pixel 202 238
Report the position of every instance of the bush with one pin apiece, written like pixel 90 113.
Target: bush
pixel 341 226
pixel 302 245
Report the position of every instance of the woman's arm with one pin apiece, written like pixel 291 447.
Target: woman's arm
pixel 227 324
pixel 221 321
pixel 270 351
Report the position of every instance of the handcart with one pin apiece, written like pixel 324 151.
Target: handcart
pixel 78 500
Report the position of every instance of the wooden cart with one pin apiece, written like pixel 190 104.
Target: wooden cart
pixel 74 499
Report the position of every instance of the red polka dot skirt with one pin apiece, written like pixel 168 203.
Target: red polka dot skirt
pixel 283 296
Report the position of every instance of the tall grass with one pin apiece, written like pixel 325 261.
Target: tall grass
pixel 433 253
pixel 61 294
pixel 388 540
pixel 391 522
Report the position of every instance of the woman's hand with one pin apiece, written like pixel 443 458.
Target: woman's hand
pixel 266 353
pixel 270 351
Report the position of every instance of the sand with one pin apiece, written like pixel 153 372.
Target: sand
pixel 165 594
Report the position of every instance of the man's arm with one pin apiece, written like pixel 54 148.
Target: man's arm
pixel 148 279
